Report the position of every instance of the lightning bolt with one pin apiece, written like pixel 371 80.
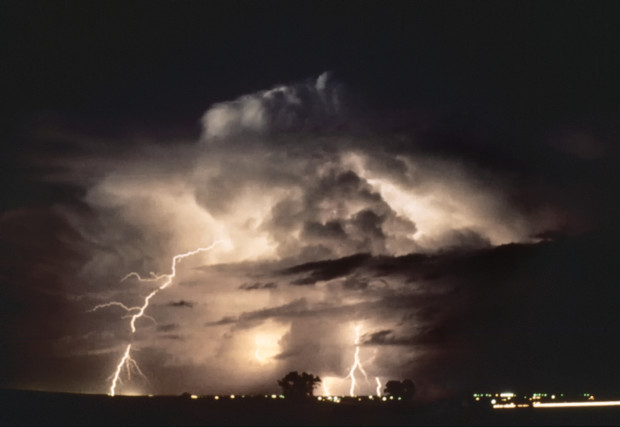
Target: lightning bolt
pixel 379 386
pixel 138 311
pixel 127 362
pixel 112 304
pixel 357 364
pixel 325 389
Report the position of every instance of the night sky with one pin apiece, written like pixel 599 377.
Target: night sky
pixel 441 175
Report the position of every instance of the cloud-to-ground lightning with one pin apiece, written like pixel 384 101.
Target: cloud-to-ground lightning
pixel 138 311
pixel 357 364
pixel 129 364
pixel 325 389
pixel 379 386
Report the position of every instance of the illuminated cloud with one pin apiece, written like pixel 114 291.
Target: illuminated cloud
pixel 274 191
pixel 300 107
pixel 320 231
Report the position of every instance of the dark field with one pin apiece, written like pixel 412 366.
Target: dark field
pixel 39 408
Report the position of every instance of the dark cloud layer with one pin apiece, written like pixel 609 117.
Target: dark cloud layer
pixel 258 285
pixel 499 309
pixel 326 270
pixel 181 303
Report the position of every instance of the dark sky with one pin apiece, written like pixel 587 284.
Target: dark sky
pixel 451 186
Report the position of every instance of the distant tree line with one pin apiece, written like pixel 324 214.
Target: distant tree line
pixel 403 389
pixel 298 386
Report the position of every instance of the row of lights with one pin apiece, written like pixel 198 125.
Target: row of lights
pixel 336 399
pixel 535 396
pixel 232 396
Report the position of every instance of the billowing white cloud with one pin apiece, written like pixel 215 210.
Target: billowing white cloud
pixel 294 108
pixel 278 192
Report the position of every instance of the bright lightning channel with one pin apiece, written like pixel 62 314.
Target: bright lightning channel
pixel 138 311
pixel 357 364
pixel 130 364
pixel 325 389
pixel 379 386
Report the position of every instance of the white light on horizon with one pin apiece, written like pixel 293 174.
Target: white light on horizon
pixel 576 404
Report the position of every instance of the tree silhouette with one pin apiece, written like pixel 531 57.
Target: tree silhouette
pixel 298 386
pixel 403 389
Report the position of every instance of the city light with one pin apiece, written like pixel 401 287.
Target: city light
pixel 509 400
pixel 504 406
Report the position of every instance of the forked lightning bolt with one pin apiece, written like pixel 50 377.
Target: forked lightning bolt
pixel 129 364
pixel 357 364
pixel 138 311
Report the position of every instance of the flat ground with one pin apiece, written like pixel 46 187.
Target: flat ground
pixel 38 408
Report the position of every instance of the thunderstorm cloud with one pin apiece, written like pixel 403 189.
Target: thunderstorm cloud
pixel 324 225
